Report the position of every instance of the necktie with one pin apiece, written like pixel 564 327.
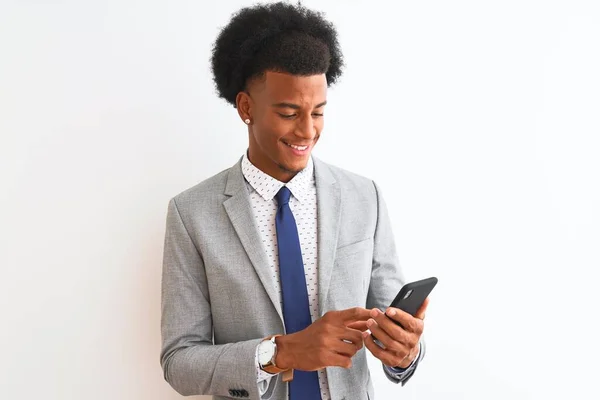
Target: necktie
pixel 296 313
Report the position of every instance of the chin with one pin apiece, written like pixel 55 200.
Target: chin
pixel 294 167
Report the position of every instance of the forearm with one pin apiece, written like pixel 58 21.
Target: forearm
pixel 209 369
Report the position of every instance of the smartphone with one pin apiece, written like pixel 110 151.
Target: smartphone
pixel 410 298
pixel 412 295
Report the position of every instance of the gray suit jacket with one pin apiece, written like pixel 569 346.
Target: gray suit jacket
pixel 218 296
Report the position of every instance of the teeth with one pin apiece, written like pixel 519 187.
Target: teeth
pixel 301 148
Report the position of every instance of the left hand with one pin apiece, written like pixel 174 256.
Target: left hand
pixel 401 342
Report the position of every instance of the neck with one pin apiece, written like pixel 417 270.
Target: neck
pixel 271 168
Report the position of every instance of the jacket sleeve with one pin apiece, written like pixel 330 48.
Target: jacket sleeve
pixel 191 362
pixel 387 277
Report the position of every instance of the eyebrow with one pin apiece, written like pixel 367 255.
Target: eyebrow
pixel 295 106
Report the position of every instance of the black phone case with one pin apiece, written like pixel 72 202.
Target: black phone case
pixel 420 291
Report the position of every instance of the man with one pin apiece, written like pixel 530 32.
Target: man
pixel 276 269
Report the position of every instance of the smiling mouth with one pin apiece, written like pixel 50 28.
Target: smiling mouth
pixel 293 146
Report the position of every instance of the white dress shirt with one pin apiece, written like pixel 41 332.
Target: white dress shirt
pixel 303 203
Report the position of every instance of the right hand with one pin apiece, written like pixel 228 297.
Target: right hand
pixel 324 343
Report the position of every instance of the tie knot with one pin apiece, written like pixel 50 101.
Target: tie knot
pixel 283 196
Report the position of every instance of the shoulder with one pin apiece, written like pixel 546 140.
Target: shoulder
pixel 206 194
pixel 348 180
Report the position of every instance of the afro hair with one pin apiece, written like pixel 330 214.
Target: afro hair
pixel 277 37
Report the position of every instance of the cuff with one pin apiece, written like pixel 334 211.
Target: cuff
pixel 263 378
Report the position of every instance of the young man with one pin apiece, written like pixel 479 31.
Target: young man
pixel 276 269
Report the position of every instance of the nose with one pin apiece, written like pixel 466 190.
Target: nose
pixel 305 128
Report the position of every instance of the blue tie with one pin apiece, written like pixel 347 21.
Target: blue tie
pixel 296 313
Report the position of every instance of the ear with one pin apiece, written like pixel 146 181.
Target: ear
pixel 243 103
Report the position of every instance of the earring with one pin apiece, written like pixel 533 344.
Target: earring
pixel 247 121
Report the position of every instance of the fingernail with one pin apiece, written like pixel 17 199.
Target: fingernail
pixel 370 323
pixel 374 312
pixel 391 312
pixel 365 334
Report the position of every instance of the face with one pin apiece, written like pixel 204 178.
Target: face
pixel 286 114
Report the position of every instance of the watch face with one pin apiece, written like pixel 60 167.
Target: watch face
pixel 266 349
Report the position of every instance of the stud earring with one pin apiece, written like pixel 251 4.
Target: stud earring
pixel 247 121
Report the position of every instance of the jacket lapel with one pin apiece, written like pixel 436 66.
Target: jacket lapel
pixel 328 218
pixel 239 210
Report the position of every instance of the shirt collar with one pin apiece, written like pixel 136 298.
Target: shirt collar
pixel 267 186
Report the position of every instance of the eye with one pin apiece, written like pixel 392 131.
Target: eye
pixel 287 116
pixel 317 115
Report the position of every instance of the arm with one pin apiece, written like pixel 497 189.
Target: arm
pixel 386 280
pixel 191 363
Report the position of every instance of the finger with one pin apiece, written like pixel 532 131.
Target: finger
pixel 346 348
pixel 421 311
pixel 339 360
pixel 352 336
pixel 385 339
pixel 407 337
pixel 406 321
pixel 358 325
pixel 385 356
pixel 389 326
pixel 353 314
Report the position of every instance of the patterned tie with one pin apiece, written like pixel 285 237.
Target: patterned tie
pixel 296 313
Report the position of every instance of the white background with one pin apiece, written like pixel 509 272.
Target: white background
pixel 480 120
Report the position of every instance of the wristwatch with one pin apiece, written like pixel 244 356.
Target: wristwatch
pixel 267 351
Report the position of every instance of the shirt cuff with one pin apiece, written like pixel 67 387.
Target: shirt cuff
pixel 263 378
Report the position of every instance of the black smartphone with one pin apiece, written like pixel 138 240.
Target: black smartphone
pixel 413 294
pixel 410 298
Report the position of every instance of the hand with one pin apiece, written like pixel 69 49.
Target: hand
pixel 329 341
pixel 401 342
